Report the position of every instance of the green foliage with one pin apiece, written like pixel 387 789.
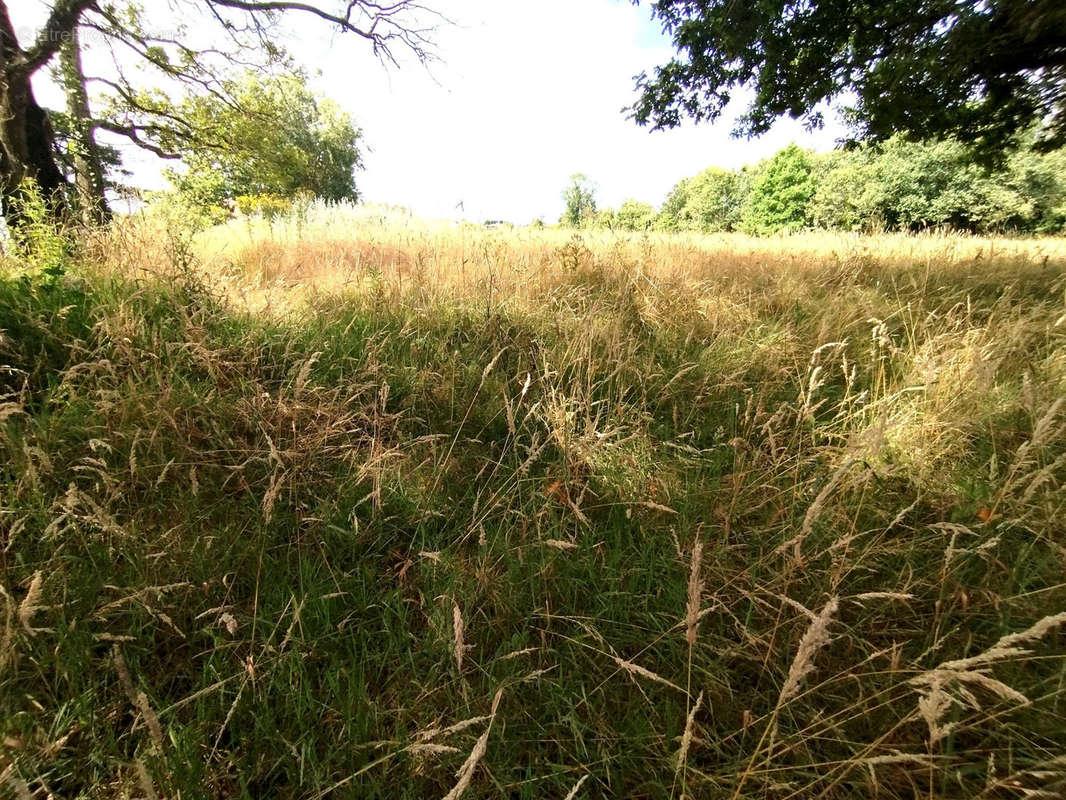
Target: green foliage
pixel 200 195
pixel 671 215
pixel 895 185
pixel 269 206
pixel 711 201
pixel 781 195
pixel 909 186
pixel 40 241
pixel 849 194
pixel 272 136
pixel 1047 178
pixel 716 200
pixel 634 215
pixel 606 218
pixel 579 199
pixel 980 71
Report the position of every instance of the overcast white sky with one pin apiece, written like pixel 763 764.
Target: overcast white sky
pixel 525 95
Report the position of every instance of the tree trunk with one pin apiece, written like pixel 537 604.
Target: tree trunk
pixel 27 142
pixel 88 169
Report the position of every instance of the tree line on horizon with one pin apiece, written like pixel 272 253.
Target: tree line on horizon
pixel 962 131
pixel 896 185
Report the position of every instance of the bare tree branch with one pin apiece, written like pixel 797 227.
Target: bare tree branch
pixel 133 133
pixel 380 24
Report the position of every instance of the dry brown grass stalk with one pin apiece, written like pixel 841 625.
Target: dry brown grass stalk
pixel 814 511
pixel 935 695
pixel 431 749
pixel 816 637
pixel 637 670
pixel 457 636
pixel 155 731
pixel 695 590
pixel 7 640
pixel 433 733
pixel 124 679
pixel 145 780
pixel 577 788
pixel 466 771
pixel 31 604
pixel 686 737
pixel 525 651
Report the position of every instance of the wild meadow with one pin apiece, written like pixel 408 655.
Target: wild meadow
pixel 344 504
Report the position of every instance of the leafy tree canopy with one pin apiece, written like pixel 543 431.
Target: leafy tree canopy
pixel 781 194
pixel 711 201
pixel 634 215
pixel 893 185
pixel 266 136
pixel 908 186
pixel 980 71
pixel 155 56
pixel 579 199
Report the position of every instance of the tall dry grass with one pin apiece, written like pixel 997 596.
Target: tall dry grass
pixel 354 505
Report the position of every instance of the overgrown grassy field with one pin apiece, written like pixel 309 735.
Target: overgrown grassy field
pixel 349 507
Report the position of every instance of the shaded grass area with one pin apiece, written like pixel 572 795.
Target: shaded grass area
pixel 252 555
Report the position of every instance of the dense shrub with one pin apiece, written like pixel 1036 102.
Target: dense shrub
pixel 781 196
pixel 898 185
